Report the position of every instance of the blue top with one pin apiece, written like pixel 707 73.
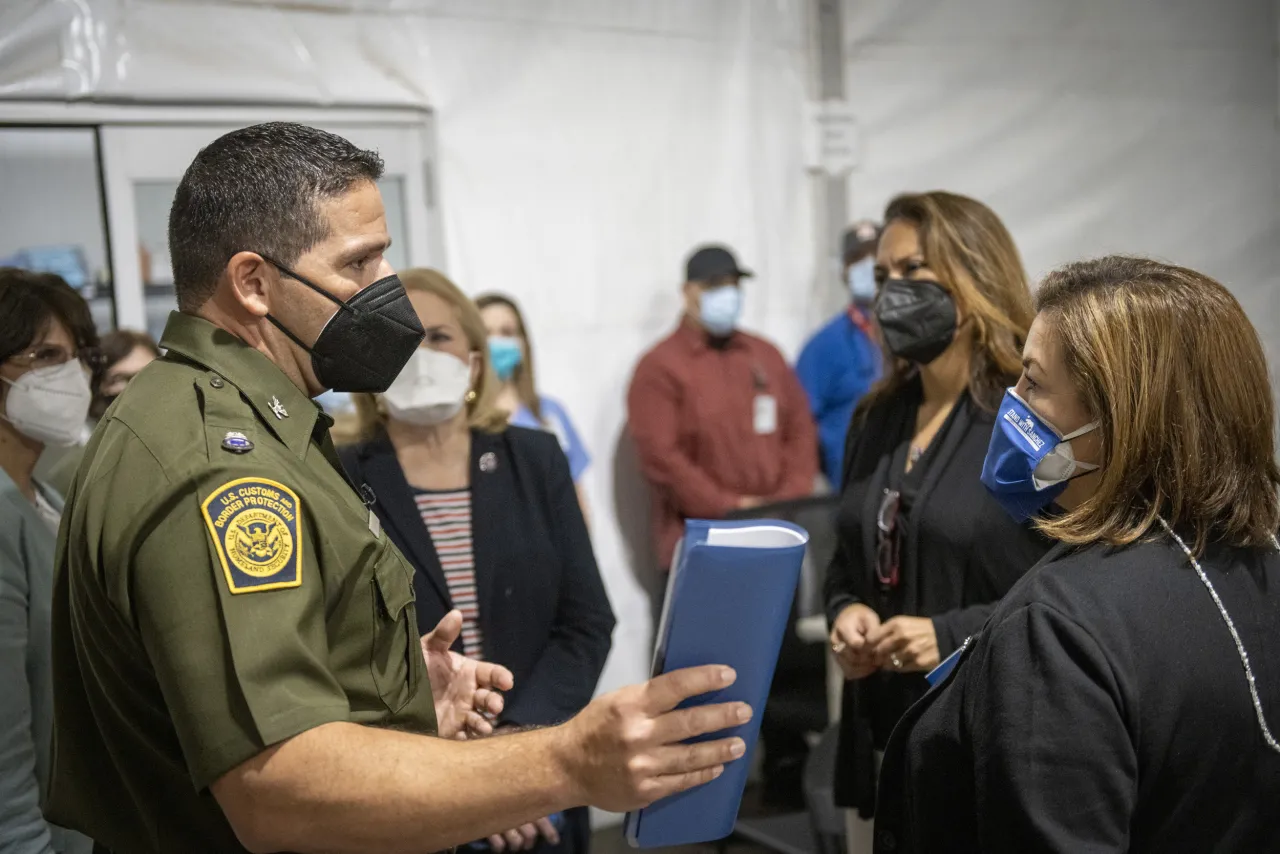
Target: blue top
pixel 837 367
pixel 27 546
pixel 556 420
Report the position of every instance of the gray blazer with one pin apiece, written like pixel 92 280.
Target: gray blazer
pixel 26 698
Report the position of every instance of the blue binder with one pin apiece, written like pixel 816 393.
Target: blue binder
pixel 728 599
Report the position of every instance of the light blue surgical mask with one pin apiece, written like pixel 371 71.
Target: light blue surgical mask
pixel 719 309
pixel 505 354
pixel 336 402
pixel 861 280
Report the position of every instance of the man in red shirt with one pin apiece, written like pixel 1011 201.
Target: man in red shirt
pixel 718 418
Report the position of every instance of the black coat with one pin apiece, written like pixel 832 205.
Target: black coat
pixel 543 609
pixel 961 552
pixel 1103 708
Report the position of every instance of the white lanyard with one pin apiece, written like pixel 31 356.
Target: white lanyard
pixel 1235 636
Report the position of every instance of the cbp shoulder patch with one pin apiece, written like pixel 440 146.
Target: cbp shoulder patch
pixel 256 526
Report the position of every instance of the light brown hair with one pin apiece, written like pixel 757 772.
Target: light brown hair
pixel 482 410
pixel 973 255
pixel 524 377
pixel 1166 360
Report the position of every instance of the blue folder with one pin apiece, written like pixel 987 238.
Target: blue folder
pixel 728 600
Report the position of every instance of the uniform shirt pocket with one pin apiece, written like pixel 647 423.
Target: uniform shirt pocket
pixel 394 639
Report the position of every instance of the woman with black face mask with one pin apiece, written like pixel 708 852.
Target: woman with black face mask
pixel 924 550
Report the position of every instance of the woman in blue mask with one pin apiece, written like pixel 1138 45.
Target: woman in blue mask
pixel 923 551
pixel 512 358
pixel 1125 695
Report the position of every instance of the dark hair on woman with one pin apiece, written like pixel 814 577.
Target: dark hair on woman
pixel 119 343
pixel 30 302
pixel 114 348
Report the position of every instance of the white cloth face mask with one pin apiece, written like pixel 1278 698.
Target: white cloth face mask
pixel 431 389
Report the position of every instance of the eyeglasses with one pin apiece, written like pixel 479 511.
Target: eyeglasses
pixel 887 539
pixel 51 355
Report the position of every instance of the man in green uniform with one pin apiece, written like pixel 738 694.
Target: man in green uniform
pixel 237 663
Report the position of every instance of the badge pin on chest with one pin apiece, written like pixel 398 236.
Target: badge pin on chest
pixel 236 443
pixel 277 408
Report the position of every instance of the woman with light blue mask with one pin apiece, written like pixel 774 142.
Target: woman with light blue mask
pixel 512 358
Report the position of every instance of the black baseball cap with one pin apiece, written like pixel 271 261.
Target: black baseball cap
pixel 860 238
pixel 713 262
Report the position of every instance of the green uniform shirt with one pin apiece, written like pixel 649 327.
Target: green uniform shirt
pixel 220 588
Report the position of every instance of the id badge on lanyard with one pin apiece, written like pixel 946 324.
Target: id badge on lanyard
pixel 765 418
pixel 764 409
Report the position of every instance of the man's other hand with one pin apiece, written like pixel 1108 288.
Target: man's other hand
pixel 465 691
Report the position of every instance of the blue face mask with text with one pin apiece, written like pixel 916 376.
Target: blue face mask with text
pixel 1029 462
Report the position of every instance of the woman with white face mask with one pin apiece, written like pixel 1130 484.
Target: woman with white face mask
pixel 125 352
pixel 488 516
pixel 48 349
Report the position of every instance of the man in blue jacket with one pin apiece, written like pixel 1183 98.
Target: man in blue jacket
pixel 842 360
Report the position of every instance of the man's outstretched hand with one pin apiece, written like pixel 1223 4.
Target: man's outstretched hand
pixel 627 749
pixel 464 690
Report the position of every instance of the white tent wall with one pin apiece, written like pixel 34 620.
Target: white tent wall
pixel 1143 127
pixel 579 164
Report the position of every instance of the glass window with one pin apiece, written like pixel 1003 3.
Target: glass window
pixel 51 218
pixel 392 189
pixel 151 203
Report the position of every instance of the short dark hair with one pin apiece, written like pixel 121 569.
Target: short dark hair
pixel 257 189
pixel 30 301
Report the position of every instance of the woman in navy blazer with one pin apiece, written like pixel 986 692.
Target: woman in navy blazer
pixel 489 517
pixel 542 607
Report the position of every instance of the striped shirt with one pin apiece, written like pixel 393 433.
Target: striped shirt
pixel 447 516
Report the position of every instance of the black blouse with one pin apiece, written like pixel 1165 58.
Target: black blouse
pixel 960 552
pixel 1104 707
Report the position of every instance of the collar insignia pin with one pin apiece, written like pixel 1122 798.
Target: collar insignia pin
pixel 277 408
pixel 488 462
